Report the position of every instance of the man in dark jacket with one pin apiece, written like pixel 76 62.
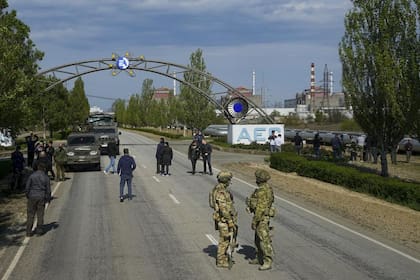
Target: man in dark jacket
pixel 38 192
pixel 298 143
pixel 45 160
pixel 30 142
pixel 112 153
pixel 125 168
pixel 193 154
pixel 206 151
pixel 159 148
pixel 18 163
pixel 167 156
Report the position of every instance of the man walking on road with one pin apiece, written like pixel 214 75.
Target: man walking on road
pixel 38 192
pixel 125 168
pixel 206 150
pixel 260 203
pixel 112 153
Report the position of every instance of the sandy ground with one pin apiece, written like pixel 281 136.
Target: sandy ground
pixel 390 221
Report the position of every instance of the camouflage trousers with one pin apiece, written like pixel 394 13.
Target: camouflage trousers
pixel 223 243
pixel 262 239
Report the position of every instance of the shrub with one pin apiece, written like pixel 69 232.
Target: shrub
pixel 390 189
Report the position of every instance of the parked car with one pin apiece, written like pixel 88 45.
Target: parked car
pixel 415 142
pixel 83 150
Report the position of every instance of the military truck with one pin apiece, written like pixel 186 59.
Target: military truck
pixel 83 151
pixel 105 134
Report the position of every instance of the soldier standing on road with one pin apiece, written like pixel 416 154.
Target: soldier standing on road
pixel 125 168
pixel 60 158
pixel 260 203
pixel 206 151
pixel 224 216
pixel 49 149
pixel 38 192
pixel 112 153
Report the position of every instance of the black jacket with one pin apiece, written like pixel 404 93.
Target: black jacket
pixel 206 150
pixel 167 155
pixel 112 149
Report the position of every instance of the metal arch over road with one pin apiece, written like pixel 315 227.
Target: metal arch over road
pixel 171 70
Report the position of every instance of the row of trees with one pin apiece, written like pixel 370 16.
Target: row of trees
pixel 23 101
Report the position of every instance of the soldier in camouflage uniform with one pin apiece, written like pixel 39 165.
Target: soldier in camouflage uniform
pixel 260 203
pixel 225 215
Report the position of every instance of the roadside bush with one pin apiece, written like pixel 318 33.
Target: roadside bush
pixel 390 189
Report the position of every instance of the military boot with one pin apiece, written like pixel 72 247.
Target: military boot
pixel 222 264
pixel 254 261
pixel 265 266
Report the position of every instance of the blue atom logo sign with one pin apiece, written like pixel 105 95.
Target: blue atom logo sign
pixel 122 63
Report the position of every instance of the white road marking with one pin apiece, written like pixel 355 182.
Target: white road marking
pixel 212 239
pixel 339 225
pixel 156 179
pixel 144 166
pixel 15 259
pixel 174 198
pixel 24 243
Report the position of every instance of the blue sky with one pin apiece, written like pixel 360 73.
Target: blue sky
pixel 277 38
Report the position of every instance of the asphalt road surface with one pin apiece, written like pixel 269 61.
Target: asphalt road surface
pixel 166 232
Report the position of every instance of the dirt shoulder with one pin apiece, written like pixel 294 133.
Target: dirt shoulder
pixel 390 221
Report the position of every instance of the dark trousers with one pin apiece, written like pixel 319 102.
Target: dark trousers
pixel 159 166
pixel 193 164
pixel 207 161
pixel 123 180
pixel 35 206
pixel 31 155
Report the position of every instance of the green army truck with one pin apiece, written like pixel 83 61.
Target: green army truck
pixel 83 151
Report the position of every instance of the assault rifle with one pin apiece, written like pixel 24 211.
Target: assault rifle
pixel 233 235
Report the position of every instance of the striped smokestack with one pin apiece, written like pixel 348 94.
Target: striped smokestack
pixel 312 80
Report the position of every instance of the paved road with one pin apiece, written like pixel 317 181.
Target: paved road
pixel 166 232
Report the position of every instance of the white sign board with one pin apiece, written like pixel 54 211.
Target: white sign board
pixel 248 133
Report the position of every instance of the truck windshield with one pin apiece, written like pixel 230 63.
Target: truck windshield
pixel 82 140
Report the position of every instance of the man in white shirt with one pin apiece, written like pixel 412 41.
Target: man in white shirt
pixel 278 142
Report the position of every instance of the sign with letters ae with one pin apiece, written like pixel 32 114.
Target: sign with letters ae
pixel 248 133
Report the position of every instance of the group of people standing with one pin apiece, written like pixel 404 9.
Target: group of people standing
pixel 38 187
pixel 164 156
pixel 225 217
pixel 200 148
pixel 275 142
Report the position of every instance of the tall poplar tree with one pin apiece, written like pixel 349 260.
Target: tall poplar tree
pixel 380 56
pixel 18 65
pixel 79 104
pixel 198 111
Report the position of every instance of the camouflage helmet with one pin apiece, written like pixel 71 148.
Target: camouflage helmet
pixel 224 176
pixel 262 175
